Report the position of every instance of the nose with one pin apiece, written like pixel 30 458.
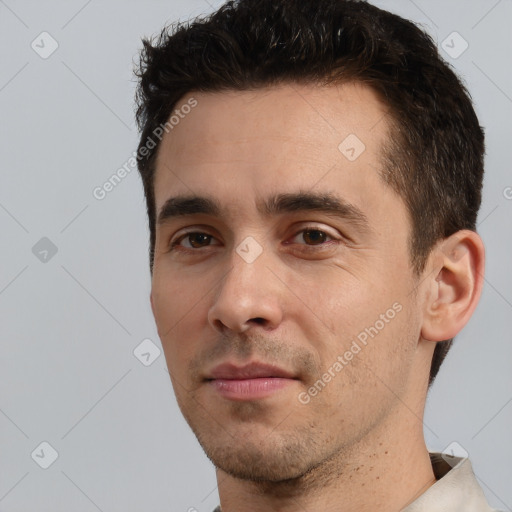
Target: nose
pixel 249 295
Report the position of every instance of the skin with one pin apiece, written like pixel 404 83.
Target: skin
pixel 357 444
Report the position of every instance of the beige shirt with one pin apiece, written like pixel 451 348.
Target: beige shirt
pixel 456 489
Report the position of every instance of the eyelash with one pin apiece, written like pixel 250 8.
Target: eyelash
pixel 328 243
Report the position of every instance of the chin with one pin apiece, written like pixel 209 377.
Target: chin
pixel 257 466
pixel 258 460
pixel 250 448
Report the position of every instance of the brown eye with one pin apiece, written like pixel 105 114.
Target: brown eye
pixel 314 236
pixel 313 241
pixel 198 239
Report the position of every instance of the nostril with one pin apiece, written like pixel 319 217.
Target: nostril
pixel 220 326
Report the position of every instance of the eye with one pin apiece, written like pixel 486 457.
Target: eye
pixel 314 236
pixel 196 240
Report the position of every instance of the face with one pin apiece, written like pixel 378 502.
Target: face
pixel 282 287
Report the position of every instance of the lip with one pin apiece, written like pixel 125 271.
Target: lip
pixel 253 370
pixel 253 381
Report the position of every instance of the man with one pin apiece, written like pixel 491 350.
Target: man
pixel 313 174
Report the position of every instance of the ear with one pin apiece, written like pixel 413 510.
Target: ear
pixel 455 280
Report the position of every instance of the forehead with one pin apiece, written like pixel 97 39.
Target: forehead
pixel 234 144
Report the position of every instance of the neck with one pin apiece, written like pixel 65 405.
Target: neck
pixel 386 470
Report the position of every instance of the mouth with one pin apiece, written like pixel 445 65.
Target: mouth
pixel 249 382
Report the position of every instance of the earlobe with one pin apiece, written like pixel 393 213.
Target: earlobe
pixel 455 282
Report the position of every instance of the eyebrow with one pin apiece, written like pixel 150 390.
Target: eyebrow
pixel 326 203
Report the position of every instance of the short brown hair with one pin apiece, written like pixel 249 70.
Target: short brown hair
pixel 434 158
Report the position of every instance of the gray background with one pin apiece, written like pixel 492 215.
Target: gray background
pixel 70 323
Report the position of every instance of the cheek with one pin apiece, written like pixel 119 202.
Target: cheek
pixel 367 323
pixel 179 315
pixel 363 375
pixel 348 304
pixel 174 298
pixel 179 350
pixel 388 344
